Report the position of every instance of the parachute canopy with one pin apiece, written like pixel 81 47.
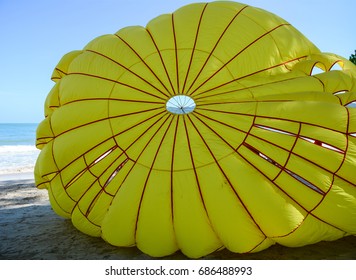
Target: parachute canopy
pixel 206 129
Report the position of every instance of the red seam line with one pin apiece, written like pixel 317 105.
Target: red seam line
pixel 196 174
pixel 212 51
pixel 248 75
pixel 176 53
pixel 194 168
pixel 163 64
pixel 90 186
pixel 172 166
pixel 194 47
pixel 151 168
pixel 133 73
pixel 116 82
pixel 143 61
pixel 245 48
pixel 153 162
pixel 80 210
pixel 269 117
pixel 290 152
pixel 136 160
pixel 277 186
pixel 342 162
pixel 302 157
pixel 113 138
pixel 219 122
pixel 112 99
pixel 231 186
pixel 61 71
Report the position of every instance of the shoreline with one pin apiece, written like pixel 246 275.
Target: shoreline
pixel 30 230
pixel 20 176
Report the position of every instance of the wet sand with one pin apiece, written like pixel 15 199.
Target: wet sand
pixel 30 230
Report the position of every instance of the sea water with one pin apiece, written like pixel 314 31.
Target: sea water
pixel 18 152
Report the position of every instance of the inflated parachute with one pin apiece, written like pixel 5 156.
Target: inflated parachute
pixel 205 130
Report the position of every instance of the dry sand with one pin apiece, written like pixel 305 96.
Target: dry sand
pixel 30 230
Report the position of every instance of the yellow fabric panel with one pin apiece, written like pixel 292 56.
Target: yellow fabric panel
pixel 78 87
pixel 88 198
pixel 269 149
pixel 263 245
pixel 74 187
pixel 44 133
pixel 79 147
pixel 145 81
pixel 62 67
pixel 352 120
pixel 137 138
pixel 277 138
pixel 97 66
pixel 297 191
pixel 45 167
pixel 230 221
pixel 116 50
pixel 347 98
pixel 194 233
pixel 56 207
pixel 99 208
pixel 159 148
pixel 100 151
pixel 332 138
pixel 119 224
pixel 79 115
pixel 67 173
pixel 338 207
pixel 270 201
pixel 335 81
pixel 347 169
pixel 307 112
pixel 312 173
pixel 327 59
pixel 286 87
pixel 64 204
pixel 324 157
pixel 52 100
pixel 280 125
pixel 155 232
pixel 310 231
pixel 161 30
pixel 103 167
pixel 231 128
pixel 83 224
pixel 113 184
pixel 261 164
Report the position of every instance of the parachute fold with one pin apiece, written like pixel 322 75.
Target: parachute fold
pixel 206 129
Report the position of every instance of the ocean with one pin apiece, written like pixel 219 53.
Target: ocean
pixel 18 153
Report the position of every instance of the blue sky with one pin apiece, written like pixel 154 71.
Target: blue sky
pixel 36 34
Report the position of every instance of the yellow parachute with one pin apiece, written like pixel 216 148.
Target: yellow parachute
pixel 205 130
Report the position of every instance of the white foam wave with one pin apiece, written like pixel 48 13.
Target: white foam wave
pixel 17 159
pixel 17 149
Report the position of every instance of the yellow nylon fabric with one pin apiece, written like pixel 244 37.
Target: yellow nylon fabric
pixel 267 155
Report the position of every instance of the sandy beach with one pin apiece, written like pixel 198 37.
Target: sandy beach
pixel 30 230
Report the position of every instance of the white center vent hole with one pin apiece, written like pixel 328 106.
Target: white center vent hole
pixel 180 104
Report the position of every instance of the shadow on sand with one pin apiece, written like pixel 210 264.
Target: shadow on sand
pixel 30 230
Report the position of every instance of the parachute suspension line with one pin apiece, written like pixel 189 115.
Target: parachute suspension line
pixel 180 104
